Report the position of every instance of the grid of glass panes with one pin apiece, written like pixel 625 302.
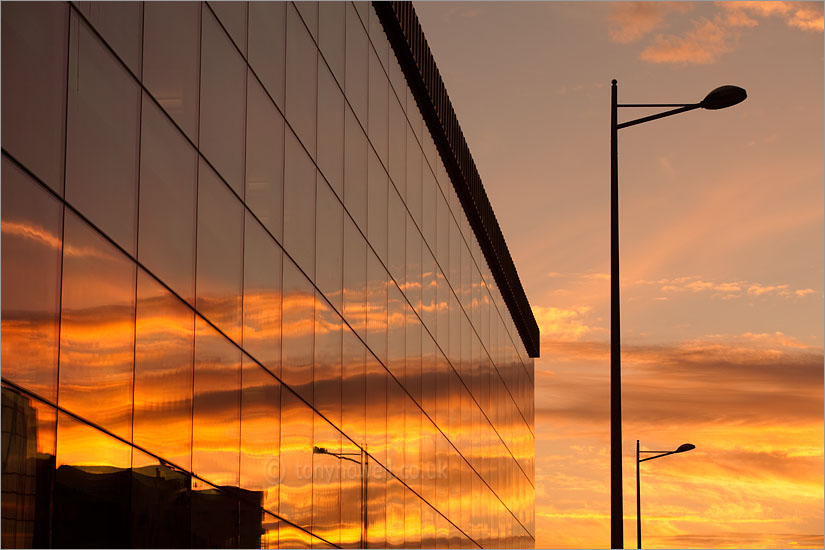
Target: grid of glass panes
pixel 229 227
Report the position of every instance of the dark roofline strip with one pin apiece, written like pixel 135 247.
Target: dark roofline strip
pixel 410 47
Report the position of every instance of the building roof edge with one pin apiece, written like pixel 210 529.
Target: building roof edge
pixel 407 39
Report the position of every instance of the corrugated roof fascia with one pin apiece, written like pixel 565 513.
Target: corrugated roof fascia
pixel 416 60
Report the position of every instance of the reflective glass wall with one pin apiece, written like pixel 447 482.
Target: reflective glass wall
pixel 241 303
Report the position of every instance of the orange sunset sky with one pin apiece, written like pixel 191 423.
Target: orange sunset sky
pixel 721 249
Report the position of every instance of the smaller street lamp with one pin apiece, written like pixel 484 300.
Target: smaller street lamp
pixel 685 447
pixel 364 463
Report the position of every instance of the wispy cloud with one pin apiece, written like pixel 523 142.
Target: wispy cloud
pixel 801 15
pixel 632 21
pixel 703 44
pixel 708 37
pixel 566 324
pixel 725 290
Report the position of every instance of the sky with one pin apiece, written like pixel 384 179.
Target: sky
pixel 721 239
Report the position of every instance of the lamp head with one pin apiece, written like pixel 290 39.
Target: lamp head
pixel 723 96
pixel 685 447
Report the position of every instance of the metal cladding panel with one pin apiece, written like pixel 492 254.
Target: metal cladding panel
pixel 410 46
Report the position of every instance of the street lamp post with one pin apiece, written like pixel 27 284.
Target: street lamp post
pixel 364 463
pixel 720 98
pixel 682 449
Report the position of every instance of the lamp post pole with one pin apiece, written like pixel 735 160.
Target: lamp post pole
pixel 616 508
pixel 682 449
pixel 719 98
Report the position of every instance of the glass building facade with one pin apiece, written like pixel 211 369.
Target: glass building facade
pixel 242 305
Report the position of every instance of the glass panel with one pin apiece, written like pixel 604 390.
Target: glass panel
pixel 428 375
pixel 357 65
pixel 34 42
pixel 396 419
pixel 292 537
pixel 376 306
pixel 103 129
pixel 376 506
pixel 396 332
pixel 428 289
pixel 91 488
pixel 412 378
pixel 413 265
pixel 329 251
pixel 168 172
pixel 378 107
pixel 296 462
pixel 355 171
pixel 330 125
pixel 120 24
pixel 164 339
pixel 412 520
pixel 301 79
pixel 31 253
pixel 376 409
pixel 297 331
pixel 326 481
pixel 352 494
pixel 396 238
pixel 220 249
pixel 442 244
pixel 171 63
pixel 264 159
pixel 397 145
pixel 355 277
pixel 28 465
pixel 377 206
pixel 395 513
pixel 353 386
pixel 233 17
pixel 428 526
pixel 267 46
pixel 262 296
pixel 442 481
pixel 327 369
pixel 299 205
pixel 414 191
pixel 442 296
pixel 214 517
pixel 331 41
pixel 216 407
pixel 223 79
pixel 429 208
pixel 97 329
pixel 412 445
pixel 260 434
pixel 309 13
pixel 442 528
pixel 161 503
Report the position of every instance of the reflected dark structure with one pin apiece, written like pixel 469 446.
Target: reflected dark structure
pixel 234 234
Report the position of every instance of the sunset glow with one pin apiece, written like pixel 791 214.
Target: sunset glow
pixel 721 254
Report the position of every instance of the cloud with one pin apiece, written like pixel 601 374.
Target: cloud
pixel 565 324
pixel 807 16
pixel 632 21
pixel 709 37
pixel 725 290
pixel 735 539
pixel 701 45
pixel 757 379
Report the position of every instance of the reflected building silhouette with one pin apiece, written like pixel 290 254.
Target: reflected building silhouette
pixel 233 233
